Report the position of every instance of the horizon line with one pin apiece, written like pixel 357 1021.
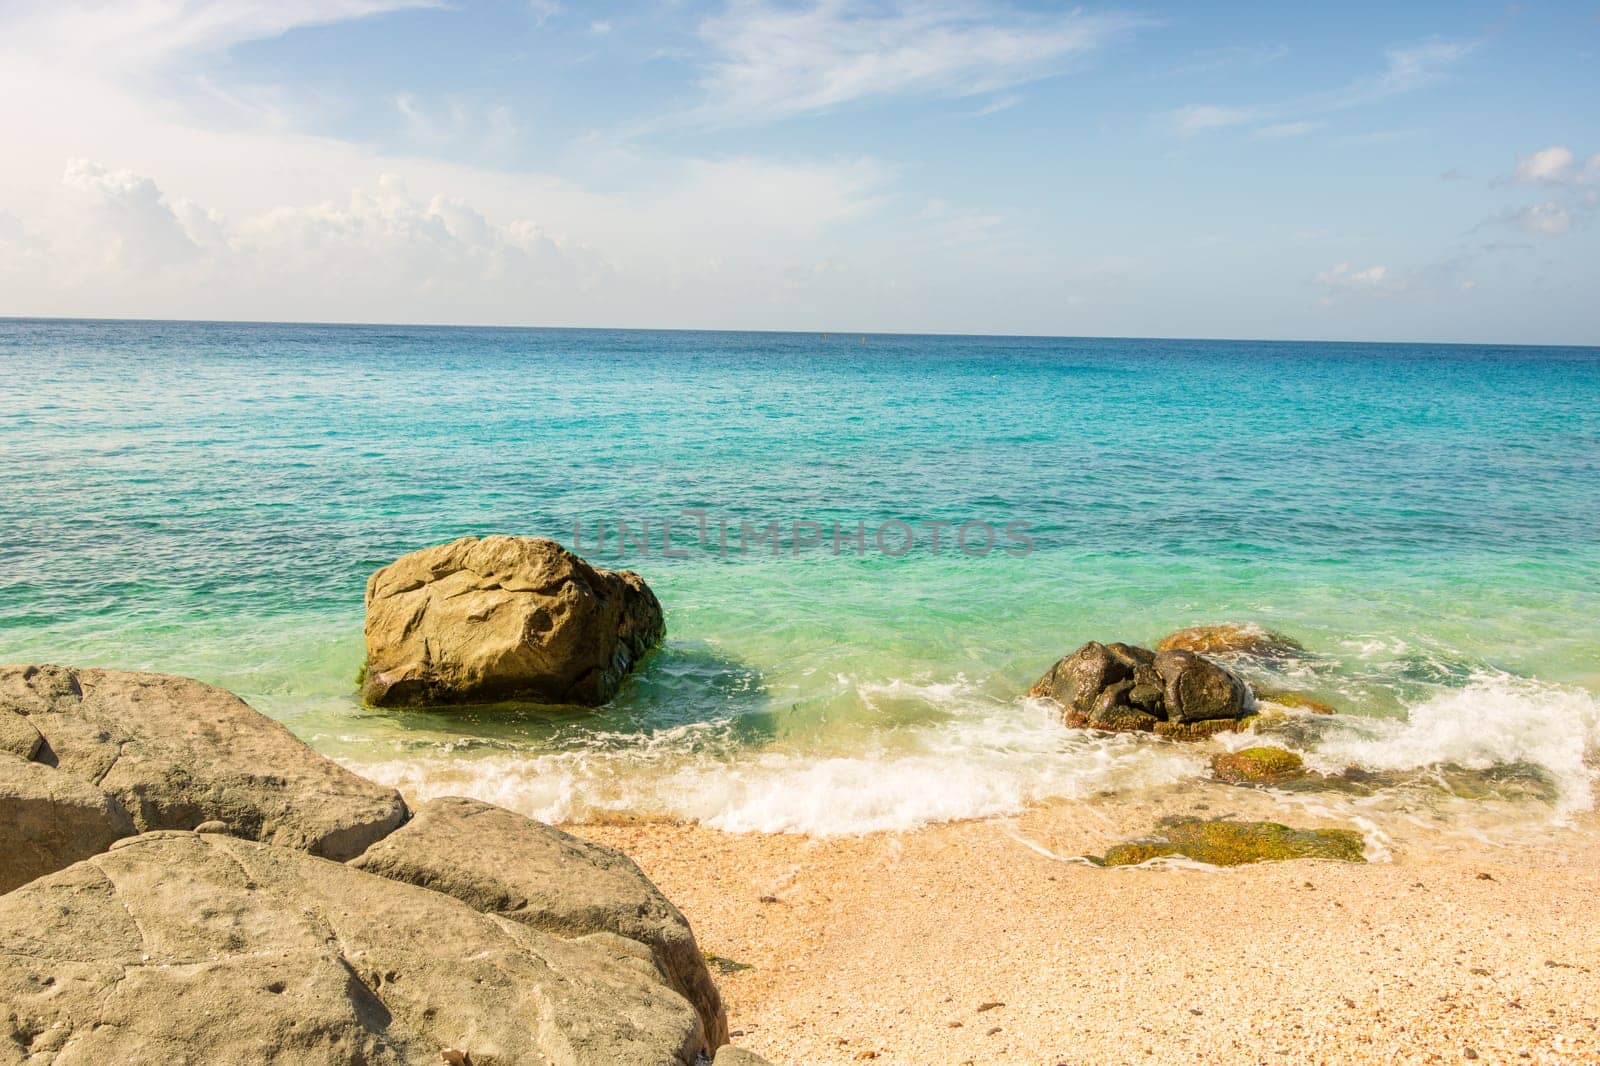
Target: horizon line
pixel 126 320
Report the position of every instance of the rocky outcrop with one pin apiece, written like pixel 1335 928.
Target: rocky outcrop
pixel 1124 688
pixel 469 935
pixel 1263 765
pixel 171 753
pixel 501 863
pixel 1232 639
pixel 181 947
pixel 1222 842
pixel 503 618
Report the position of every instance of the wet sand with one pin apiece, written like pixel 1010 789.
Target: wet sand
pixel 985 942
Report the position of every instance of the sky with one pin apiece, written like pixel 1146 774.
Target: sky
pixel 1362 171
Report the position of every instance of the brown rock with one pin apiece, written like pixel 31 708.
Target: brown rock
pixel 1232 638
pixel 175 753
pixel 501 863
pixel 49 819
pixel 504 618
pixel 17 735
pixel 181 947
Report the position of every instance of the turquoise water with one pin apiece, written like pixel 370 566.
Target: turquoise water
pixel 208 499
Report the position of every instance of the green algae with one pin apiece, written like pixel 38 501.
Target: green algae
pixel 1261 765
pixel 1300 701
pixel 1229 843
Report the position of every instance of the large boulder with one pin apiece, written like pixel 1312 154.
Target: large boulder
pixel 1125 688
pixel 173 753
pixel 180 947
pixel 503 618
pixel 501 863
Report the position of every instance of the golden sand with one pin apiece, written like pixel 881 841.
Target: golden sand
pixel 985 942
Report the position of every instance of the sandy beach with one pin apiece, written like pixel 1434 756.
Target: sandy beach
pixel 985 942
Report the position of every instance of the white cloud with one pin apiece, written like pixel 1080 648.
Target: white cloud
pixel 772 62
pixel 118 36
pixel 1282 130
pixel 1548 218
pixel 1346 279
pixel 1405 70
pixel 1551 165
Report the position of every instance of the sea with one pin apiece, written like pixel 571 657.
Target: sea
pixel 867 548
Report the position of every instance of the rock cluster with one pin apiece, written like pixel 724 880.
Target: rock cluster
pixel 1121 687
pixel 503 618
pixel 232 928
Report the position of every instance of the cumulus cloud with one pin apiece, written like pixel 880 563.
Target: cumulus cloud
pixel 772 61
pixel 1569 184
pixel 1556 165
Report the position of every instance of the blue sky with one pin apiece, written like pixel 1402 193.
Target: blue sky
pixel 1363 171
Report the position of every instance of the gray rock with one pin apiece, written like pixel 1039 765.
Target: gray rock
pixel 1125 688
pixel 49 819
pixel 1198 689
pixel 176 753
pixel 504 618
pixel 501 863
pixel 181 947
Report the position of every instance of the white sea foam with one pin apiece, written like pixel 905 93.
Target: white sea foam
pixel 1496 720
pixel 986 760
pixel 969 755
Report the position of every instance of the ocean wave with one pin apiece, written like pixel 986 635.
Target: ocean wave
pixel 1495 720
pixel 969 767
pixel 971 755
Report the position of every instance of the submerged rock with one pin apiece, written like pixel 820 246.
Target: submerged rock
pixel 1232 638
pixel 503 618
pixel 1125 688
pixel 1259 766
pixel 1300 701
pixel 170 753
pixel 1229 843
pixel 182 947
pixel 501 863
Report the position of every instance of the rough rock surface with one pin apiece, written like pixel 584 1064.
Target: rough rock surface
pixel 174 753
pixel 181 947
pixel 1228 843
pixel 1121 687
pixel 49 819
pixel 503 618
pixel 17 735
pixel 501 863
pixel 1232 638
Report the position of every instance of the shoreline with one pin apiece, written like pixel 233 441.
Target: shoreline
pixel 893 947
